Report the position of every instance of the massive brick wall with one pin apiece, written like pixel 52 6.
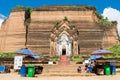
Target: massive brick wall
pixel 110 37
pixel 90 40
pixel 12 32
pixel 42 23
pixel 91 35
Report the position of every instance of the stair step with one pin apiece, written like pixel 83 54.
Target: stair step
pixel 64 60
pixel 64 70
pixel 69 74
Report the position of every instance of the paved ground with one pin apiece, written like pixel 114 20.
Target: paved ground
pixel 16 76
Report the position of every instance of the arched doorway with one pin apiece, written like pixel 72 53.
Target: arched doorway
pixel 63 51
pixel 64 45
pixel 64 39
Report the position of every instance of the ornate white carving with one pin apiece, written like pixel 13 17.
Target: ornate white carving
pixel 63 42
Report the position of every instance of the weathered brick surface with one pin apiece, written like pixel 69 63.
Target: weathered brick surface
pixel 12 33
pixel 91 35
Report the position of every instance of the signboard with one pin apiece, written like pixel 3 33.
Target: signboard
pixel 86 62
pixel 50 62
pixel 18 62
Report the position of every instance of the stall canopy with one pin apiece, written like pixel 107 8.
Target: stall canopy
pixel 27 52
pixel 95 57
pixel 101 52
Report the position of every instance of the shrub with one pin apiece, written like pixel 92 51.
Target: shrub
pixel 55 58
pixel 7 55
pixel 76 58
pixel 105 22
pixel 116 52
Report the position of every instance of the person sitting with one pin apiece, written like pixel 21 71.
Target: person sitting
pixel 79 69
pixel 93 66
pixel 86 65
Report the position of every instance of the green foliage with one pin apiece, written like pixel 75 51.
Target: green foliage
pixel 29 9
pixel 68 7
pixel 76 58
pixel 100 16
pixel 27 22
pixel 57 22
pixel 90 7
pixel 65 19
pixel 104 21
pixel 116 52
pixel 7 55
pixel 19 6
pixel 118 71
pixel 55 58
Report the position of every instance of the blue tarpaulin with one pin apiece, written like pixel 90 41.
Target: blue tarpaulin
pixel 27 52
pixel 95 57
pixel 101 52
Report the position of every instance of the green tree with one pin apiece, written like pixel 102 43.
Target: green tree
pixel 100 16
pixel 116 52
pixel 105 22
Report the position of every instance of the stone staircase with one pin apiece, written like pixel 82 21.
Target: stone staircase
pixel 64 70
pixel 64 60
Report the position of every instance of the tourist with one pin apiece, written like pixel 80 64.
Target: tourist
pixel 89 69
pixel 93 66
pixel 79 69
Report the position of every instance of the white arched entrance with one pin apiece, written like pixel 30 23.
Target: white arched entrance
pixel 64 45
pixel 64 39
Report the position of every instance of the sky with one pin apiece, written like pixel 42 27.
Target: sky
pixel 109 8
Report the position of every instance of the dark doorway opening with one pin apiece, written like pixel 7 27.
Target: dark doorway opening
pixel 63 51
